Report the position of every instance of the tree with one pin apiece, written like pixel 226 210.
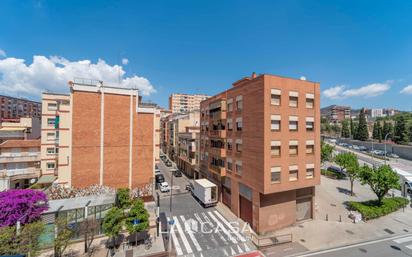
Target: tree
pixel 352 128
pixel 113 222
pixel 387 129
pixel 123 198
pixel 401 135
pixel 362 133
pixel 326 152
pixel 349 162
pixel 138 217
pixel 345 129
pixel 380 180
pixel 377 131
pixel 25 242
pixel 89 228
pixel 64 234
pixel 336 129
pixel 24 205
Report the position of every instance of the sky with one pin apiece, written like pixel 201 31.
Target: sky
pixel 359 51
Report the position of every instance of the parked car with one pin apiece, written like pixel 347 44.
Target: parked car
pixel 355 147
pixel 168 163
pixel 392 155
pixel 164 187
pixel 363 148
pixel 189 187
pixel 177 173
pixel 159 178
pixel 157 170
pixel 336 169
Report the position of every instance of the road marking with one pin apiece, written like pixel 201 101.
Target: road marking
pixel 182 236
pixel 240 250
pixel 175 241
pixel 191 235
pixel 214 230
pixel 409 247
pixel 236 232
pixel 232 252
pixel 247 249
pixel 227 233
pixel 403 240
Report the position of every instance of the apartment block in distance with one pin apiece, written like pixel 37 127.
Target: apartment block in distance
pixel 112 136
pixel 55 139
pixel 181 103
pixel 12 107
pixel 336 114
pixel 260 142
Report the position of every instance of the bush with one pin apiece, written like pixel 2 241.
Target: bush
pixel 372 210
pixel 331 174
pixel 123 198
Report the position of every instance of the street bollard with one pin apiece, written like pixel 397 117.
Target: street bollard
pixel 327 217
pixel 340 218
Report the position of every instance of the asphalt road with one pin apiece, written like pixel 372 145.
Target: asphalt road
pixel 398 246
pixel 199 231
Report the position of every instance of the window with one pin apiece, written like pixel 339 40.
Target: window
pixel 275 148
pixel 51 121
pixel 238 146
pixel 50 136
pixel 293 125
pixel 275 97
pixel 239 124
pixel 52 106
pixel 293 99
pixel 229 164
pixel 51 165
pixel 310 171
pixel 293 173
pixel 229 125
pixel 239 103
pixel 293 148
pixel 275 123
pixel 50 150
pixel 230 105
pixel 309 103
pixel 309 125
pixel 229 145
pixel 310 149
pixel 239 167
pixel 275 174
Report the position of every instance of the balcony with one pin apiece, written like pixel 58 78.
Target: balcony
pixel 217 133
pixel 20 173
pixel 217 169
pixel 25 157
pixel 221 152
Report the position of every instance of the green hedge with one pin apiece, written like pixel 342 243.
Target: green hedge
pixel 331 174
pixel 372 210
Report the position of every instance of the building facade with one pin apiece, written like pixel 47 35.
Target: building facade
pixel 19 163
pixel 187 157
pixel 336 114
pixel 182 103
pixel 260 142
pixel 20 129
pixel 12 107
pixel 55 138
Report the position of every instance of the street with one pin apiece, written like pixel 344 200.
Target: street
pixel 199 231
pixel 398 246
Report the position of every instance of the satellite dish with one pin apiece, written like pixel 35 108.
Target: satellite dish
pixel 32 181
pixel 303 78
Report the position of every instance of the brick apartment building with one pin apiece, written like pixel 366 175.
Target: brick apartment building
pixel 336 113
pixel 13 107
pixel 111 137
pixel 182 103
pixel 260 142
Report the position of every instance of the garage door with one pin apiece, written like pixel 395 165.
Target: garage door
pixel 246 210
pixel 226 196
pixel 303 208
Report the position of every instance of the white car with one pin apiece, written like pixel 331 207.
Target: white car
pixel 164 187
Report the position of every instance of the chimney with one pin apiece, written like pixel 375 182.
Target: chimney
pixel 253 75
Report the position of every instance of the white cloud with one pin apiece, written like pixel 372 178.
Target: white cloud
pixel 334 92
pixel 125 61
pixel 53 73
pixel 2 53
pixel 407 90
pixel 370 90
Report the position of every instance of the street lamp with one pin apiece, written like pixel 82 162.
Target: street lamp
pixel 373 153
pixel 386 136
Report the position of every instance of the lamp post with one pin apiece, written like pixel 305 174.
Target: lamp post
pixel 87 225
pixel 373 153
pixel 386 136
pixel 56 229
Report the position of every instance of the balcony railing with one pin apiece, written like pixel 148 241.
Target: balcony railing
pixel 217 133
pixel 27 157
pixel 221 152
pixel 30 171
pixel 217 169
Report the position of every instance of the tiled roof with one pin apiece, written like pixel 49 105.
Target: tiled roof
pixel 20 143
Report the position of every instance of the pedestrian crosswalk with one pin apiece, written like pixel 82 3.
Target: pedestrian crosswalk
pixel 207 234
pixel 404 241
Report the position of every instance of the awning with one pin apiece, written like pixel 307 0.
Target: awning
pixel 46 179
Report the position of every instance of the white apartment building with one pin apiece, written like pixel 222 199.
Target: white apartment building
pixel 182 103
